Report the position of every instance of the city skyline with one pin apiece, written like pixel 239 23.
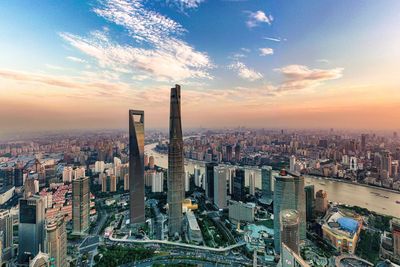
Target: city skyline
pixel 285 66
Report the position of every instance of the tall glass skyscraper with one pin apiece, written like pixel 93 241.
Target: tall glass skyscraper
pixel 310 193
pixel 210 177
pixel 238 185
pixel 266 181
pixel 136 166
pixel 288 194
pixel 31 228
pixel 176 171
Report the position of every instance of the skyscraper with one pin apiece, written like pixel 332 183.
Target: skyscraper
pixel 252 183
pixel 136 166
pixel 6 226
pixel 31 228
pixel 238 185
pixel 289 194
pixel 210 179
pixel 220 178
pixel 309 191
pixel 237 153
pixel 266 180
pixel 176 172
pixel 80 205
pixel 56 242
pixel 321 202
pixel 290 222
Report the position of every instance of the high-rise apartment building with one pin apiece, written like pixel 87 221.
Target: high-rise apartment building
pixel 80 205
pixel 31 230
pixel 176 171
pixel 56 242
pixel 136 166
pixel 252 183
pixel 321 202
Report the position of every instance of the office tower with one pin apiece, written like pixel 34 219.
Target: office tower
pixel 126 182
pixel 266 180
pixel 187 181
pixel 136 166
pixel 6 177
pixel 310 193
pixel 321 202
pixel 56 242
pixel 395 224
pixel 228 153
pixel 292 163
pixel 290 232
pixel 387 163
pixel 238 185
pixel 148 177
pixel 231 175
pixel 151 162
pixel 67 174
pixel 31 230
pixel 237 153
pixel 364 138
pixel 103 182
pixel 252 183
pixel 80 205
pixel 220 177
pixel 197 176
pixel 175 164
pixel 289 194
pixel 6 227
pixel 210 179
pixel 113 183
pixel 19 175
pixel 241 212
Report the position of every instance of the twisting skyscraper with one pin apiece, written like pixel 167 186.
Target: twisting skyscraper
pixel 136 166
pixel 176 173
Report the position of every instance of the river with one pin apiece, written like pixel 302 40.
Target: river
pixel 374 199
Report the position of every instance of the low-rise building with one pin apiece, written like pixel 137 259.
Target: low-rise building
pixel 239 211
pixel 193 229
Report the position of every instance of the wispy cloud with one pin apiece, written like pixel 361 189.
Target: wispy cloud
pixel 299 77
pixel 265 51
pixel 184 4
pixel 272 39
pixel 257 18
pixel 157 49
pixel 245 72
pixel 76 59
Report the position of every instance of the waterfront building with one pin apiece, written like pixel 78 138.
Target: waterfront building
pixel 31 233
pixel 136 166
pixel 220 178
pixel 310 201
pixel 176 172
pixel 80 205
pixel 290 229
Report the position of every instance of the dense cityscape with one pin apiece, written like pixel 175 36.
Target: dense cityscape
pixel 232 197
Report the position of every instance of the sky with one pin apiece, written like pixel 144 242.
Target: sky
pixel 257 63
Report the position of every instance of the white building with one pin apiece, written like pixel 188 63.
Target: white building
pixel 67 174
pixel 99 166
pixel 193 229
pixel 187 181
pixel 292 163
pixel 79 172
pixel 157 184
pixel 252 183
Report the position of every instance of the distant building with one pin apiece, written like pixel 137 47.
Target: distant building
pixel 67 174
pixel 113 183
pixel 237 153
pixel 187 181
pixel 241 212
pixel 31 228
pixel 126 182
pixel 151 162
pixel 193 229
pixel 321 202
pixel 266 181
pixel 220 189
pixel 80 205
pixel 157 185
pixel 292 163
pixel 395 225
pixel 290 229
pixel 56 242
pixel 238 185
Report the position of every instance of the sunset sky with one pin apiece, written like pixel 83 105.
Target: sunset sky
pixel 265 64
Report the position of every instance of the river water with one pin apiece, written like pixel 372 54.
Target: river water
pixel 375 199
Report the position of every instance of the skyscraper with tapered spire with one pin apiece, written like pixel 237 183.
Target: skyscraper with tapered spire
pixel 176 172
pixel 136 166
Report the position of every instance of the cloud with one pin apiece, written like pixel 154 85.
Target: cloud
pixel 266 51
pixel 244 49
pixel 299 77
pixel 257 18
pixel 76 59
pixel 272 39
pixel 157 49
pixel 244 72
pixel 188 4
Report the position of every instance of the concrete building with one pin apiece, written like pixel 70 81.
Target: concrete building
pixel 113 183
pixel 126 182
pixel 56 242
pixel 99 166
pixel 187 181
pixel 80 205
pixel 290 229
pixel 321 202
pixel 136 166
pixel 289 258
pixel 241 212
pixel 292 163
pixel 31 233
pixel 176 171
pixel 151 162
pixel 193 229
pixel 220 189
pixel 210 179
pixel 67 174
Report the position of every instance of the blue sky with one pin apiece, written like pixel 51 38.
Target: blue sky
pixel 236 54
